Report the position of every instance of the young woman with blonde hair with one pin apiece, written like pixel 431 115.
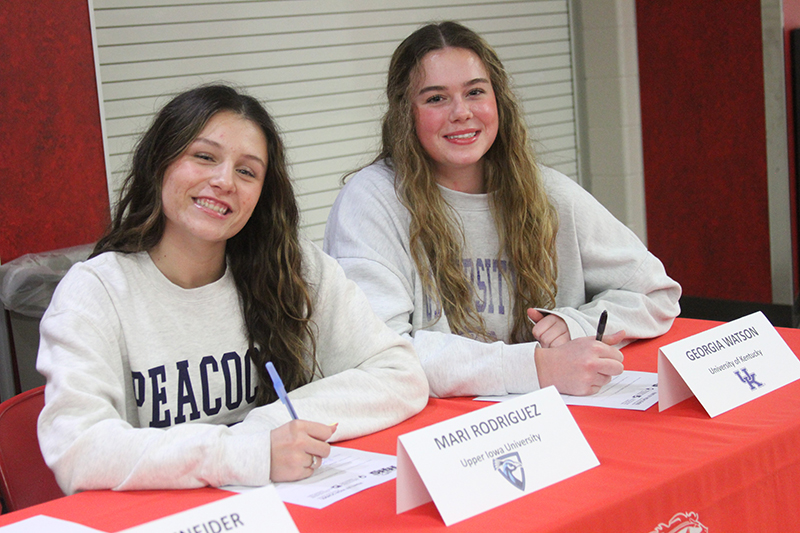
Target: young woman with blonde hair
pixel 461 239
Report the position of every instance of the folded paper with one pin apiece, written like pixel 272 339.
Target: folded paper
pixel 726 366
pixel 254 511
pixel 483 459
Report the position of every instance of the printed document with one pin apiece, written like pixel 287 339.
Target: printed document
pixel 633 390
pixel 343 473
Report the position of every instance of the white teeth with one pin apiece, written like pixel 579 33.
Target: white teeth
pixel 202 202
pixel 463 136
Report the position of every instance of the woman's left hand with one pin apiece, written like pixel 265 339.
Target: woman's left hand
pixel 550 330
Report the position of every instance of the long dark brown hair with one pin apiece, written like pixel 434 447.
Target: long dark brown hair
pixel 265 257
pixel 525 220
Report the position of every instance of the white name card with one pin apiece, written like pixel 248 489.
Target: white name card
pixel 483 459
pixel 258 510
pixel 726 366
pixel 46 523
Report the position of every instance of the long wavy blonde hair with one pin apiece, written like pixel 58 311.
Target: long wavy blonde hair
pixel 525 220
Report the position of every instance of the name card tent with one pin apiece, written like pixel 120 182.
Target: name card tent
pixel 255 511
pixel 480 460
pixel 726 366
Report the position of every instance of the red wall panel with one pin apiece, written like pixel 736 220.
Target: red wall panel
pixel 52 170
pixel 703 128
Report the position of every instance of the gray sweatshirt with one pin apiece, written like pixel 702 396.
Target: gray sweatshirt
pixel 149 385
pixel 601 265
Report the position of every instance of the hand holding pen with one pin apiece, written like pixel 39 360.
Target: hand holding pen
pixel 298 447
pixel 580 366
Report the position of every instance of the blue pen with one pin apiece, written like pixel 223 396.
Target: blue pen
pixel 277 382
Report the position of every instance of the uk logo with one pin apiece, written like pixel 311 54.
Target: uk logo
pixel 682 523
pixel 748 378
pixel 510 467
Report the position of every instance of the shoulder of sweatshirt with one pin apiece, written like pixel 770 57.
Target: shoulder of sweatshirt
pixel 561 189
pixel 374 181
pixel 107 272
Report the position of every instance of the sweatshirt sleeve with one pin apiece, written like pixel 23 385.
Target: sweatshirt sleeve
pixel 603 265
pixel 367 232
pixel 370 376
pixel 88 428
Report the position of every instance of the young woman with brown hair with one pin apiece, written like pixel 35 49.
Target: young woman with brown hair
pixel 154 349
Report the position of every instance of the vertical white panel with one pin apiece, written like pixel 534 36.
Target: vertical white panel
pixel 613 168
pixel 780 223
pixel 320 66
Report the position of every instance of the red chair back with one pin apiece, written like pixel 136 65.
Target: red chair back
pixel 25 479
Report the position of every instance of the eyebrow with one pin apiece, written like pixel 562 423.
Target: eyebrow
pixel 469 83
pixel 218 145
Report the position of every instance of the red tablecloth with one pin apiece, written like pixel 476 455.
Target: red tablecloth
pixel 738 472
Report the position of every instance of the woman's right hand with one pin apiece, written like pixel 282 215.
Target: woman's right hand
pixel 298 448
pixel 581 366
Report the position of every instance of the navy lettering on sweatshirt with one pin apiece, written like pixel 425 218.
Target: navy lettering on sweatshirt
pixel 190 397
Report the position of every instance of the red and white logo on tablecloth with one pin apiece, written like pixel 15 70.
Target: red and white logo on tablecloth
pixel 682 523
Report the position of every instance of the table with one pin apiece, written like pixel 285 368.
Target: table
pixel 738 472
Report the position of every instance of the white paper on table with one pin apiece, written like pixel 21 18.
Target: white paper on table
pixel 632 389
pixel 47 523
pixel 344 472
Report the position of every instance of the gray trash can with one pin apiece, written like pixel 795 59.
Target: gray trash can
pixel 26 286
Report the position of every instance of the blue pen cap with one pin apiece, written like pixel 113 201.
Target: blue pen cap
pixel 277 382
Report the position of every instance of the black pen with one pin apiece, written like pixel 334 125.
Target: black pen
pixel 601 326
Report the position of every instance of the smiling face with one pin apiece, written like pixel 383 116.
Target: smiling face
pixel 211 189
pixel 455 114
